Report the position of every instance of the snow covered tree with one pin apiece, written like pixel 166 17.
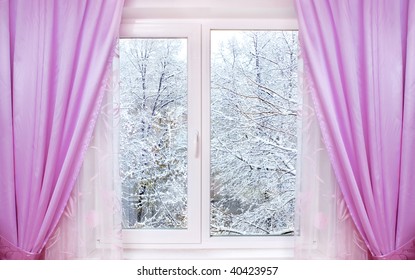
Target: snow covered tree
pixel 254 128
pixel 153 136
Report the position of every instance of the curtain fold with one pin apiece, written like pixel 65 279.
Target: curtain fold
pixel 359 58
pixel 54 57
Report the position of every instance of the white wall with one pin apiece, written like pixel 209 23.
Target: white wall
pixel 200 9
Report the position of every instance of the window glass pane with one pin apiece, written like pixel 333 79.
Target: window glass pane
pixel 153 136
pixel 253 132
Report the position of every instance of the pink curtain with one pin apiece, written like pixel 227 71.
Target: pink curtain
pixel 54 56
pixel 360 58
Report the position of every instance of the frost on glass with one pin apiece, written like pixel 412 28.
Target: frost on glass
pixel 253 132
pixel 153 133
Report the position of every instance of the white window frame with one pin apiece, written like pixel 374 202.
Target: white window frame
pixel 251 242
pixel 145 18
pixel 192 233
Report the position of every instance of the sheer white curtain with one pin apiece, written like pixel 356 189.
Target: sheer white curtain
pixel 91 225
pixel 324 227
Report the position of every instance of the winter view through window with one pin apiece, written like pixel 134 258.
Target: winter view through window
pixel 253 132
pixel 253 127
pixel 153 138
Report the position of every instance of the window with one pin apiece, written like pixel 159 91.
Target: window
pixel 160 123
pixel 208 132
pixel 253 132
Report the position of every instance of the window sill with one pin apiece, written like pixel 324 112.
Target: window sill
pixel 210 248
pixel 208 254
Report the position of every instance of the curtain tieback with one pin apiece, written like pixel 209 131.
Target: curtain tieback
pixel 8 251
pixel 405 252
